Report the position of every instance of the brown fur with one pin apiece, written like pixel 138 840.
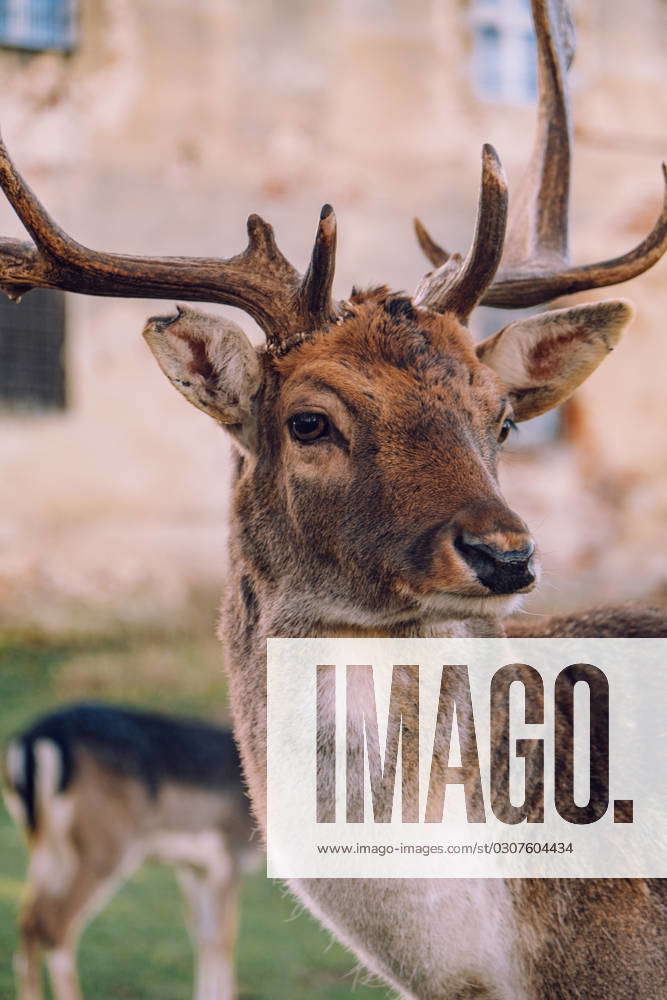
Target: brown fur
pixel 625 621
pixel 625 919
pixel 358 535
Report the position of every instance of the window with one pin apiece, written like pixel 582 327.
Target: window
pixel 32 341
pixel 504 55
pixel 37 25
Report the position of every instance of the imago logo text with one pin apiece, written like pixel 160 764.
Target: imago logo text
pixel 466 757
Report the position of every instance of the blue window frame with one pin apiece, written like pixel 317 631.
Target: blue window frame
pixel 504 53
pixel 38 25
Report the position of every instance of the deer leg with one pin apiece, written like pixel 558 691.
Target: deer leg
pixel 61 963
pixel 46 932
pixel 51 870
pixel 54 917
pixel 28 967
pixel 89 891
pixel 213 905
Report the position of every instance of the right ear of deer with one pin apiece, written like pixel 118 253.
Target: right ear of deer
pixel 260 280
pixel 536 265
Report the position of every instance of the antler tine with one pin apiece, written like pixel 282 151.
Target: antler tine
pixel 537 231
pixel 456 287
pixel 48 236
pixel 318 280
pixel 513 290
pixel 432 250
pixel 260 280
pixel 536 265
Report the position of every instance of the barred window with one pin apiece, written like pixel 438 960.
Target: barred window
pixel 32 343
pixel 37 25
pixel 504 53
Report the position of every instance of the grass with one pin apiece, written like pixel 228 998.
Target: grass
pixel 137 948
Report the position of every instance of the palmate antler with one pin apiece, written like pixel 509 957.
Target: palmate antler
pixel 533 265
pixel 260 280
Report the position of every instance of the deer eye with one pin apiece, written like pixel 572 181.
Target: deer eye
pixel 308 427
pixel 507 426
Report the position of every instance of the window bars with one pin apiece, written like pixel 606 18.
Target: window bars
pixel 32 343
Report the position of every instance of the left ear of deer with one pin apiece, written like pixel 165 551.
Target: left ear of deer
pixel 543 358
pixel 210 361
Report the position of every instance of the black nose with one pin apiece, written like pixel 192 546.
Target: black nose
pixel 502 571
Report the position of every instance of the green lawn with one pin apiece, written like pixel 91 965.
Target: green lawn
pixel 137 948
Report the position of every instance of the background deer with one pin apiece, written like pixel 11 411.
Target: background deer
pixel 99 790
pixel 366 502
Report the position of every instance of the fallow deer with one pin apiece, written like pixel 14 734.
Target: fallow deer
pixel 98 790
pixel 366 503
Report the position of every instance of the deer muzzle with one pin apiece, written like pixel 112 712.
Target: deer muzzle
pixel 503 564
pixel 483 549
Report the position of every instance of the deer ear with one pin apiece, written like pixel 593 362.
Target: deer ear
pixel 543 358
pixel 211 361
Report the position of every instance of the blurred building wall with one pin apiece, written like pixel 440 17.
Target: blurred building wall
pixel 167 126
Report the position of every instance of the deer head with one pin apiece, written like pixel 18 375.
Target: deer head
pixel 370 429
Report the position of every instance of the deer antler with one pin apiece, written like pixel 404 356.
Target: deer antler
pixel 536 264
pixel 260 280
pixel 457 287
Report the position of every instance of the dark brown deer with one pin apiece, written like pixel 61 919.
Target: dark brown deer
pixel 366 502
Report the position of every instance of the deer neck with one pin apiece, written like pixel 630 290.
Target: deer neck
pixel 257 612
pixel 423 628
pixel 260 605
